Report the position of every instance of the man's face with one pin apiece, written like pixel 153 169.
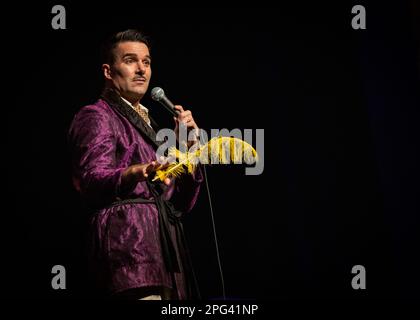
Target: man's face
pixel 131 71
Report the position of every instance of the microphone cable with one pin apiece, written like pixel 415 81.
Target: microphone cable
pixel 214 233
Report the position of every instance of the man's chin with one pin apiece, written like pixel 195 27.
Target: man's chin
pixel 140 91
pixel 138 94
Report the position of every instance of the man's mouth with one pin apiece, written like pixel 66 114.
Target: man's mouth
pixel 140 80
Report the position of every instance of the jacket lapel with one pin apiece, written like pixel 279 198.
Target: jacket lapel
pixel 115 101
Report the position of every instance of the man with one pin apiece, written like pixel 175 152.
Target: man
pixel 138 248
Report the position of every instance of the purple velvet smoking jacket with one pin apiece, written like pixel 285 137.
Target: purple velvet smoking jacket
pixel 105 138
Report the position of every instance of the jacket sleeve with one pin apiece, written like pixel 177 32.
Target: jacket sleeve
pixel 93 146
pixel 186 190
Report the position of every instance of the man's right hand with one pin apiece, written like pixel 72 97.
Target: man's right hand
pixel 140 172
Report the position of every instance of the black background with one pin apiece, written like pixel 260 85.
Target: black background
pixel 340 112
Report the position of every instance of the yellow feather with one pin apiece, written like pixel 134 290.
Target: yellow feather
pixel 222 150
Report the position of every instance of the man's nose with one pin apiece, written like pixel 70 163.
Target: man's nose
pixel 141 68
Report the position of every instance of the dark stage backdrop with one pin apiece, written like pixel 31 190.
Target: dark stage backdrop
pixel 339 109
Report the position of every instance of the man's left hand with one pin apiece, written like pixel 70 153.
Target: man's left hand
pixel 186 119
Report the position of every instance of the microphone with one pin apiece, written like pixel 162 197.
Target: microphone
pixel 158 95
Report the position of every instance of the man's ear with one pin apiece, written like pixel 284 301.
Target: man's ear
pixel 106 68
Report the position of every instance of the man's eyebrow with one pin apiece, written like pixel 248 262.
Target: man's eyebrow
pixel 129 55
pixel 135 55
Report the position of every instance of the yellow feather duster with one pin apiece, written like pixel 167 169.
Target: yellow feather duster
pixel 223 150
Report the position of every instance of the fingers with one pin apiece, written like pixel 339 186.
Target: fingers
pixel 186 119
pixel 151 167
pixel 144 170
pixel 141 172
pixel 184 116
pixel 162 164
pixel 179 108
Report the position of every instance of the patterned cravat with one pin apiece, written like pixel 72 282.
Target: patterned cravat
pixel 142 113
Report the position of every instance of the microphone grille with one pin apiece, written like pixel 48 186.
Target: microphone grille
pixel 157 93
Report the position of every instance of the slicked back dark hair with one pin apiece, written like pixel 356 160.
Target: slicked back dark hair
pixel 108 47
